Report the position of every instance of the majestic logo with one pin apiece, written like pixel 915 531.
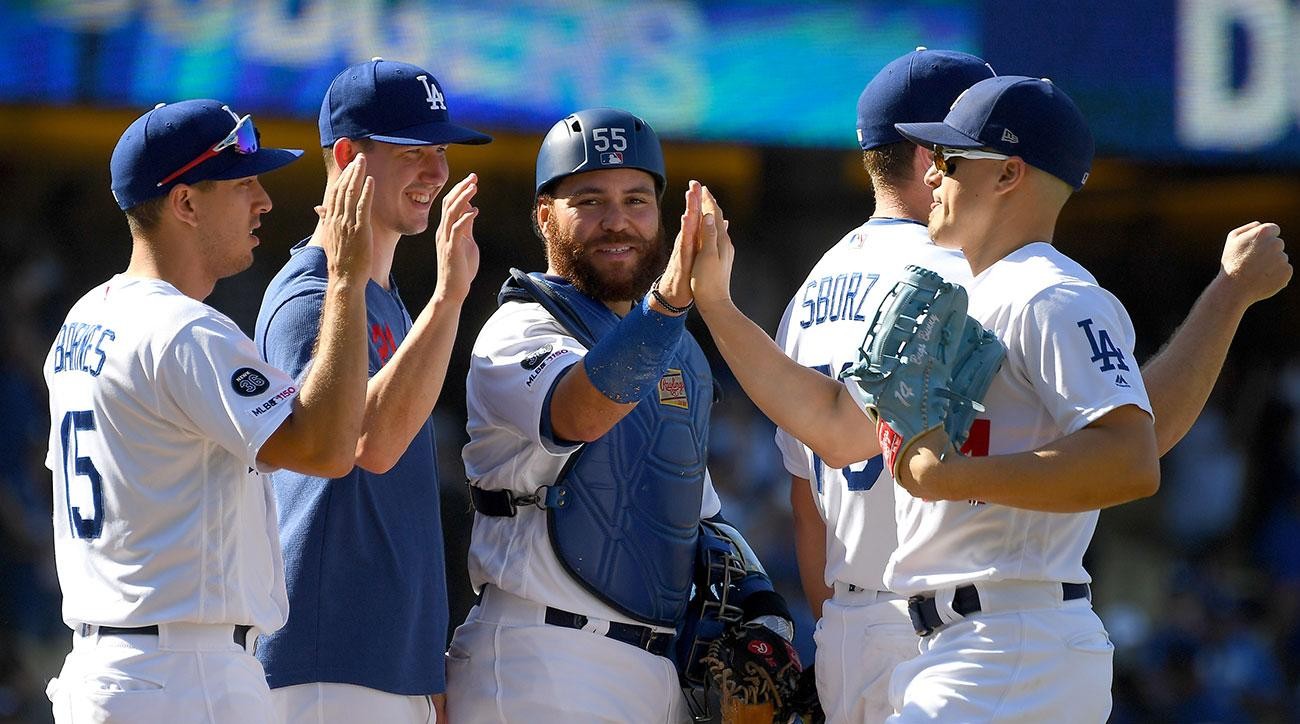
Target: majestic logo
pixel 248 382
pixel 535 358
pixel 1009 137
pixel 1121 382
pixel 611 158
pixel 432 95
pixel 1103 349
pixel 672 389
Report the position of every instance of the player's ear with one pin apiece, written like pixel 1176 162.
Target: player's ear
pixel 542 212
pixel 344 150
pixel 181 204
pixel 1011 175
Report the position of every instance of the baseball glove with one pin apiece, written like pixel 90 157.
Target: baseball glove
pixel 756 672
pixel 979 355
pixel 907 360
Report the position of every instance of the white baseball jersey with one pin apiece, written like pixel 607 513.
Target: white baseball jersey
pixel 1069 361
pixel 823 328
pixel 158 407
pixel 517 358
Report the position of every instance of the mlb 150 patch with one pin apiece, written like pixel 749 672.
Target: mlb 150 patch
pixel 248 382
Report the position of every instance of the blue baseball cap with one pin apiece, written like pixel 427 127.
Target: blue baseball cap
pixel 1020 116
pixel 173 136
pixel 919 86
pixel 390 102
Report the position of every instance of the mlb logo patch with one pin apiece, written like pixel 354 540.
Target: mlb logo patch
pixel 611 158
pixel 672 389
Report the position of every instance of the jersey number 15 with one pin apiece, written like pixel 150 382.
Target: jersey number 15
pixel 79 466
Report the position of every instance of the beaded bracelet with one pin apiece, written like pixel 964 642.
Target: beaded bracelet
pixel 654 289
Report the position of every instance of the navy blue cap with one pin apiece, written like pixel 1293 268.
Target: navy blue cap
pixel 166 138
pixel 919 86
pixel 1020 116
pixel 391 102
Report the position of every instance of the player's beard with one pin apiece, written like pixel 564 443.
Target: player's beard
pixel 571 259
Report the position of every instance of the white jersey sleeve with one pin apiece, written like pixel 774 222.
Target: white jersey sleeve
pixel 1074 345
pixel 212 378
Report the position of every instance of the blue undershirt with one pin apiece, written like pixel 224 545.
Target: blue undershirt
pixel 363 554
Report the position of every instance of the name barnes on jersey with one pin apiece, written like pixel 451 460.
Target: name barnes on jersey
pixel 73 350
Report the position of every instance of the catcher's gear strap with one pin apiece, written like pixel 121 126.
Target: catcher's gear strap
pixel 506 503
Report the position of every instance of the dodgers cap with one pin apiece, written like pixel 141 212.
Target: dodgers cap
pixel 172 135
pixel 390 102
pixel 1020 116
pixel 919 86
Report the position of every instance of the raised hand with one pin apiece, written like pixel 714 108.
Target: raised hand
pixel 711 273
pixel 458 253
pixel 1255 261
pixel 344 231
pixel 675 284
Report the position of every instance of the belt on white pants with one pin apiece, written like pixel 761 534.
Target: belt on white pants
pixel 169 636
pixel 851 594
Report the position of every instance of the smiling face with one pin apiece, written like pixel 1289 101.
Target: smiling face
pixel 407 179
pixel 228 213
pixel 604 233
pixel 958 199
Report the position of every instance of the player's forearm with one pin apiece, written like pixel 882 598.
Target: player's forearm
pixel 1180 377
pixel 402 395
pixel 809 544
pixel 1107 463
pixel 809 405
pixel 320 435
pixel 579 411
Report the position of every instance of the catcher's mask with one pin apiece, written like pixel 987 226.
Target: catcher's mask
pixel 718 573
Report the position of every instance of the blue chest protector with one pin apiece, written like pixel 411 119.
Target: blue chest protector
pixel 624 513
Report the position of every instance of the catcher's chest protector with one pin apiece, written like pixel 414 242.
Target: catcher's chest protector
pixel 626 521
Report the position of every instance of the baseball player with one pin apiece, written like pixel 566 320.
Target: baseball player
pixel 993 562
pixel 588 423
pixel 363 552
pixel 844 517
pixel 165 421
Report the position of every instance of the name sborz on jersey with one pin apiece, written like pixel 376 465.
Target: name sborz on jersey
pixel 270 404
pixel 835 298
pixel 80 348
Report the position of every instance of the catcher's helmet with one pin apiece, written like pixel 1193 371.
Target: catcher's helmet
pixel 596 139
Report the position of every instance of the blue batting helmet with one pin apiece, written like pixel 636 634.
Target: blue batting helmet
pixel 598 139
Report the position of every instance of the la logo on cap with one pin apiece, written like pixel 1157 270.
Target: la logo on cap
pixel 432 95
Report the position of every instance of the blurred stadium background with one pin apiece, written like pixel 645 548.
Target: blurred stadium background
pixel 1195 105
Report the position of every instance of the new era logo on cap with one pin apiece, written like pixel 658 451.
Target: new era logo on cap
pixel 1010 137
pixel 390 102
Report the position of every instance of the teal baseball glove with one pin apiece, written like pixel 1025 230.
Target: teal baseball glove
pixel 907 359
